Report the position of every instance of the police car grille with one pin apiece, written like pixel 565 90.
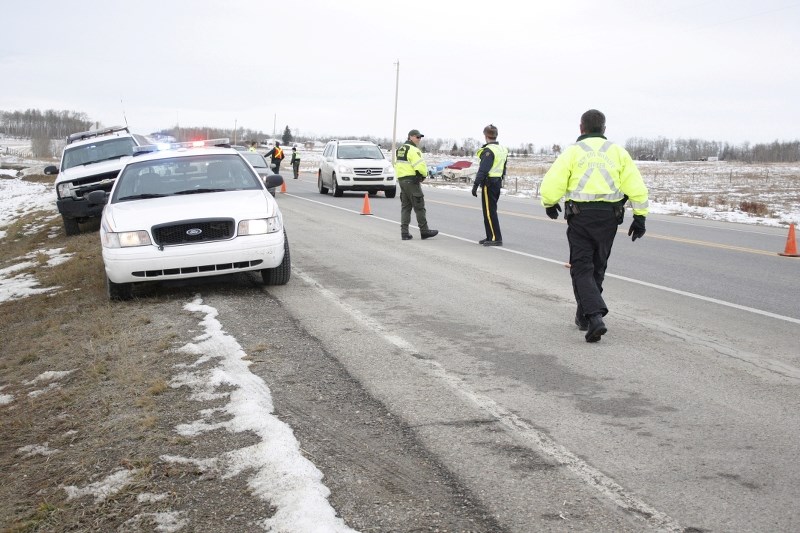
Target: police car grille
pixel 188 232
pixel 368 171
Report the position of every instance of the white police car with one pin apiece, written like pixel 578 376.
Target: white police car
pixel 187 210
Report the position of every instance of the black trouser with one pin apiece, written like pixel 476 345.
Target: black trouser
pixel 489 197
pixel 590 234
pixel 276 165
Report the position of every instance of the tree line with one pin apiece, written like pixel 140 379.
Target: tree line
pixel 662 149
pixel 42 126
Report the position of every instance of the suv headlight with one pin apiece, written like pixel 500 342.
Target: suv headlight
pixel 124 239
pixel 344 169
pixel 260 226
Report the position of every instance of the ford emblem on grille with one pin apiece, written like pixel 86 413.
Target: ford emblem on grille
pixel 193 232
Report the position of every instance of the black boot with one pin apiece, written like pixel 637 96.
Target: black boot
pixel 596 328
pixel 406 236
pixel 428 233
pixel 581 321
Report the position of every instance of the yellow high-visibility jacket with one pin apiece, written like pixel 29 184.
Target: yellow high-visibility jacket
pixel 410 162
pixel 595 169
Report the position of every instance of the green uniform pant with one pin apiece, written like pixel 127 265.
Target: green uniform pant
pixel 411 197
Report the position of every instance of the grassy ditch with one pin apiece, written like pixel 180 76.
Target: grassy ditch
pixel 111 411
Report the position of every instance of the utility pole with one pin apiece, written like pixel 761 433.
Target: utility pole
pixel 394 126
pixel 274 122
pixel 235 122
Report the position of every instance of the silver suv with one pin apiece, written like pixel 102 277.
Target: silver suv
pixel 350 165
pixel 90 162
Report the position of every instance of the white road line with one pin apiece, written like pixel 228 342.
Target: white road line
pixel 592 477
pixel 623 278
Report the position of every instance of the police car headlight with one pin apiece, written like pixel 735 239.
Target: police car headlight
pixel 124 239
pixel 260 226
pixel 62 189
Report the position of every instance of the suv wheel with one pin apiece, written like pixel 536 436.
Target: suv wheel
pixel 71 226
pixel 322 188
pixel 337 191
pixel 119 291
pixel 391 193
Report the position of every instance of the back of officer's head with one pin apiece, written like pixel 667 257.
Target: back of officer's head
pixel 490 132
pixel 593 121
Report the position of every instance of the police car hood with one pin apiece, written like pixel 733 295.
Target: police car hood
pixel 92 169
pixel 136 215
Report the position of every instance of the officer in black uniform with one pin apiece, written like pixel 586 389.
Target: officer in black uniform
pixel 492 169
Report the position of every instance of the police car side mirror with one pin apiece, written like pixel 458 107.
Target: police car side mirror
pixel 273 180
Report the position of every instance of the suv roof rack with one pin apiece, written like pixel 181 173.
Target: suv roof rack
pixel 81 135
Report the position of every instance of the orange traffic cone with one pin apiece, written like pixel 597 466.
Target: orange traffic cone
pixel 283 186
pixel 791 244
pixel 365 210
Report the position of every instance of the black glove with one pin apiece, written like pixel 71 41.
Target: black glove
pixel 637 230
pixel 475 190
pixel 553 211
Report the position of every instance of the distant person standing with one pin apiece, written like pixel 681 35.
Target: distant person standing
pixel 252 146
pixel 276 155
pixel 295 162
pixel 411 170
pixel 492 169
pixel 595 177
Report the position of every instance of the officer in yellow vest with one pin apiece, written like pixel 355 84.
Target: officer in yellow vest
pixel 295 161
pixel 411 170
pixel 596 177
pixel 492 169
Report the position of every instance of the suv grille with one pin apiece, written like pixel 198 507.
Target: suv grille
pixel 193 231
pixel 368 171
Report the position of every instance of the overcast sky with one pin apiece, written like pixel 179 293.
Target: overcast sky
pixel 724 70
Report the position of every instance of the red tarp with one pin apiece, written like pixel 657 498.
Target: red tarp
pixel 458 165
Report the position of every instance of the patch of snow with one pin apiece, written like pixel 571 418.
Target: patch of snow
pixel 102 489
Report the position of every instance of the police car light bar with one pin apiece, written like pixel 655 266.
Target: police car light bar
pixel 159 147
pixel 95 133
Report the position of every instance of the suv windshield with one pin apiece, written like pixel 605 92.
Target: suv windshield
pixel 87 154
pixel 184 175
pixel 359 151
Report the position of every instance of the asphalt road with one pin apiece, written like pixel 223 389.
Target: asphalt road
pixel 685 415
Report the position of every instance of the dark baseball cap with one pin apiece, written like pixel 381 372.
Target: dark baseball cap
pixel 415 133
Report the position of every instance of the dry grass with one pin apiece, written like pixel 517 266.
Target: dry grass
pixel 94 417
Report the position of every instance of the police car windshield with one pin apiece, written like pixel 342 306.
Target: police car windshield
pixel 184 175
pixel 87 154
pixel 359 151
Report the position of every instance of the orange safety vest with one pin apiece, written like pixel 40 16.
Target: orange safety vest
pixel 277 153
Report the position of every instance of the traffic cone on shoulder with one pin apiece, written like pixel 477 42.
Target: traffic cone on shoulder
pixel 791 244
pixel 365 210
pixel 283 186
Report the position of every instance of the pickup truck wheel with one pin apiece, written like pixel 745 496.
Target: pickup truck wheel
pixel 119 291
pixel 322 188
pixel 280 274
pixel 71 226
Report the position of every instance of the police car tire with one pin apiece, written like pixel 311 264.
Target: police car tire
pixel 280 274
pixel 119 291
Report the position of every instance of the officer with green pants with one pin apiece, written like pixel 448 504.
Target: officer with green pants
pixel 411 170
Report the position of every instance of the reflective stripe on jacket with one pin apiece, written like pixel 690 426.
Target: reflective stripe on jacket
pixel 500 158
pixel 409 161
pixel 595 170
